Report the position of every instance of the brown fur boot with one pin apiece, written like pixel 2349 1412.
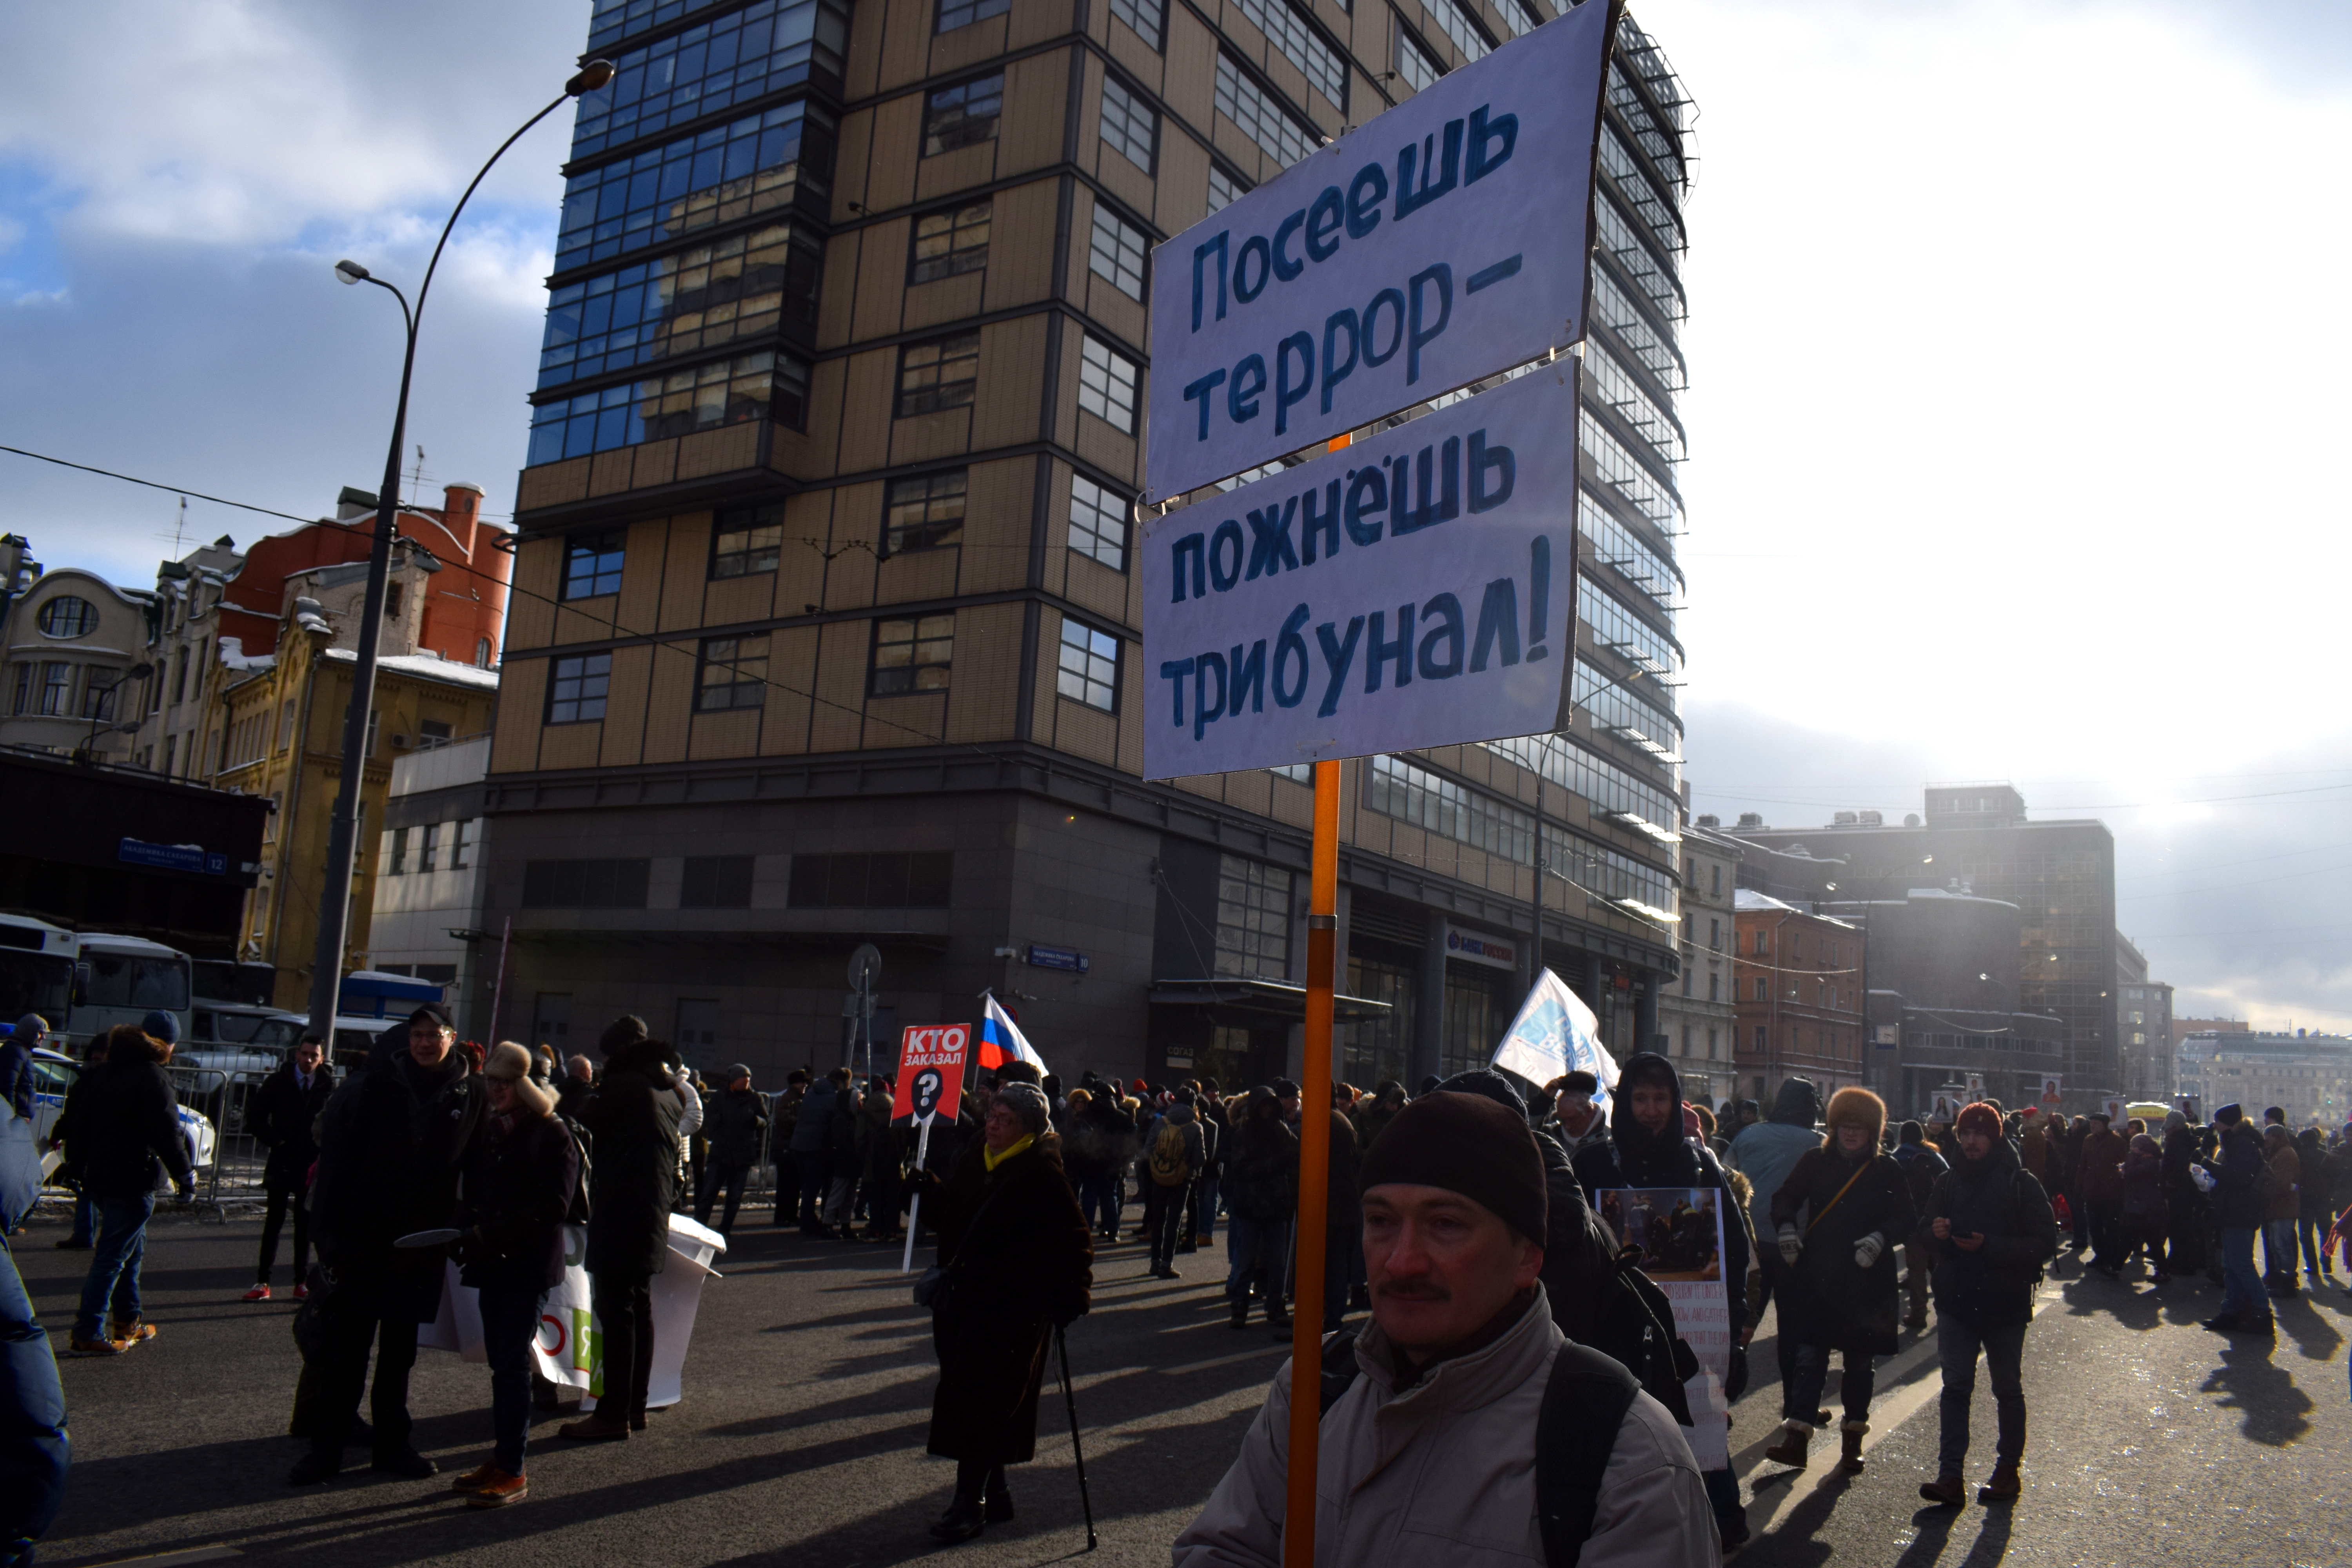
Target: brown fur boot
pixel 1791 1449
pixel 1850 1459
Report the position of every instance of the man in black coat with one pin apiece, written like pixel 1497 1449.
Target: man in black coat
pixel 734 1119
pixel 280 1116
pixel 2242 1202
pixel 521 1172
pixel 120 1127
pixel 633 1116
pixel 388 1162
pixel 1992 1230
pixel 579 1078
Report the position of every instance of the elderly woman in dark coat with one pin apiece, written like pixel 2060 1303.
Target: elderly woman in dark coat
pixel 1019 1264
pixel 1837 1218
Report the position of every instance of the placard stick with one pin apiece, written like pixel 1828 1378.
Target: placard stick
pixel 1314 1170
pixel 915 1209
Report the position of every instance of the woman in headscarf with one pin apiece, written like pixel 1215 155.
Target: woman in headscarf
pixel 1018 1263
pixel 1836 1220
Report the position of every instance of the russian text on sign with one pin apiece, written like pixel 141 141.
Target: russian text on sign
pixel 1445 241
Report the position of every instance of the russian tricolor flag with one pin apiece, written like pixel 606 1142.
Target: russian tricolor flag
pixel 1002 1041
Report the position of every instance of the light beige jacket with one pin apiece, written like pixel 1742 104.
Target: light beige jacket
pixel 1444 1472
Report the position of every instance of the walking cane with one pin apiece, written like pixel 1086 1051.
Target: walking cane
pixel 1062 1343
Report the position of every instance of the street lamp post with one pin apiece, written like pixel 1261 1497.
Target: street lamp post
pixel 334 899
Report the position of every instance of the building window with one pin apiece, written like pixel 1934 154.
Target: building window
pixel 1117 252
pixel 1146 16
pixel 399 857
pixel 577 694
pixel 1414 66
pixel 1760 939
pixel 375 719
pixel 66 616
pixel 1253 918
pixel 963 115
pixel 913 654
pixel 1090 671
pixel 734 674
pixel 1129 128
pixel 1288 31
pixel 481 652
pixel 1711 1042
pixel 754 164
pixel 1715 936
pixel 924 511
pixel 939 374
pixel 461 844
pixel 748 541
pixel 1398 788
pixel 1714 879
pixel 954 14
pixel 1763 1042
pixel 1715 987
pixel 923 879
pixel 1262 120
pixel 1458 26
pixel 1106 384
pixel 428 847
pixel 950 241
pixel 1224 189
pixel 432 734
pixel 702 398
pixel 1761 994
pixel 733 59
pixel 585 884
pixel 592 563
pixel 392 598
pixel 706 297
pixel 1098 523
pixel 715 882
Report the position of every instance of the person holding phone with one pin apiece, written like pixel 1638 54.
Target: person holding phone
pixel 1992 1230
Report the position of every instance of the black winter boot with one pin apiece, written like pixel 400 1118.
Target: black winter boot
pixel 965 1517
pixel 998 1507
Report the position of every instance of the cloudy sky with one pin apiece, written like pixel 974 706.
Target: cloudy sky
pixel 2017 418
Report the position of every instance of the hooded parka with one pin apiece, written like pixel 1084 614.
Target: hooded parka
pixel 1996 1198
pixel 1829 1299
pixel 633 1116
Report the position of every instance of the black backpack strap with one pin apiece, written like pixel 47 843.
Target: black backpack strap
pixel 1584 1403
pixel 1339 1368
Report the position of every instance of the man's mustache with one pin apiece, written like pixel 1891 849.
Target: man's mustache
pixel 1412 1291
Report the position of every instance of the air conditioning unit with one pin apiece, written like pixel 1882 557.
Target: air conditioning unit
pixel 400 743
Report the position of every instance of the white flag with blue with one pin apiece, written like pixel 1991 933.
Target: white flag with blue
pixel 1002 1041
pixel 1556 1033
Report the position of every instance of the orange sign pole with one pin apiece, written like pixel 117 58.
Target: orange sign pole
pixel 1313 1170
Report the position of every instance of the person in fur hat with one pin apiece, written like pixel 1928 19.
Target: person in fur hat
pixel 1836 1220
pixel 518 1176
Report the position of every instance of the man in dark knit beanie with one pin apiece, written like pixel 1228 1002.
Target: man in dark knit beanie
pixel 1462 1339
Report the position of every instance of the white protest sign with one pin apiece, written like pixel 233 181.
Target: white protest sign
pixel 1412 590
pixel 1554 1034
pixel 1444 241
pixel 1680 1233
pixel 570 1346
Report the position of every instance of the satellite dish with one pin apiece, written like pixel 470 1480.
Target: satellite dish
pixel 865 966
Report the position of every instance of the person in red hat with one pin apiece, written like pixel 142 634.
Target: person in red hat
pixel 1993 1231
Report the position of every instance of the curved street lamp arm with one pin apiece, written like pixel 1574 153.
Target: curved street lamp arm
pixel 478 177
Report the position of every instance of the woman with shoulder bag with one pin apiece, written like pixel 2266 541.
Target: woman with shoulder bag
pixel 1016 1263
pixel 1837 1218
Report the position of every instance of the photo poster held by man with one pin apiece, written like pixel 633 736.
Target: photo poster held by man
pixel 1679 1233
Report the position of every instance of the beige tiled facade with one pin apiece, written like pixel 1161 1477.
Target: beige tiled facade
pixel 997 765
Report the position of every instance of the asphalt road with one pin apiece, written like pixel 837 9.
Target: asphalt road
pixel 809 1384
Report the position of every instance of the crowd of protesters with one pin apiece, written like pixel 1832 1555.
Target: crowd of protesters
pixel 1463 1219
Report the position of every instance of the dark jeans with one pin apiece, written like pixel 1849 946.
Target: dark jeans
pixel 85 1220
pixel 1163 1216
pixel 356 1321
pixel 1203 1228
pixel 1096 1191
pixel 2107 1235
pixel 2242 1288
pixel 282 1197
pixel 2003 1346
pixel 624 1313
pixel 34 1447
pixel 509 1320
pixel 1784 1346
pixel 812 1165
pixel 1256 1251
pixel 1803 1395
pixel 2278 1250
pixel 113 1281
pixel 715 1176
pixel 2311 1229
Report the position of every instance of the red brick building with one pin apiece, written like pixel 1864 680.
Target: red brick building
pixel 1797 978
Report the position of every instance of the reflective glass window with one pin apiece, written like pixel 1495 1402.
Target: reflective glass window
pixel 743 285
pixel 728 171
pixel 1262 120
pixel 577 692
pixel 747 54
pixel 963 115
pixel 1414 66
pixel 938 375
pixel 1098 523
pixel 954 14
pixel 747 540
pixel 1117 251
pixel 592 563
pixel 733 674
pixel 1288 31
pixel 1089 666
pixel 913 654
pixel 951 240
pixel 1106 384
pixel 1129 126
pixel 1146 16
pixel 701 397
pixel 924 511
